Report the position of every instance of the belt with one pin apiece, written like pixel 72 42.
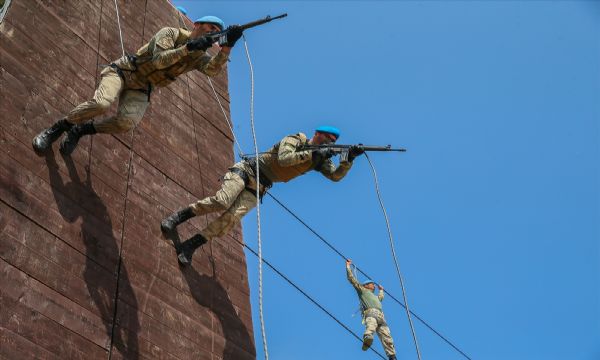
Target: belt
pixel 375 313
pixel 263 180
pixel 246 178
pixel 119 71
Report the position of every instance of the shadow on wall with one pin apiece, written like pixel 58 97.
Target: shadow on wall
pixel 238 343
pixel 101 288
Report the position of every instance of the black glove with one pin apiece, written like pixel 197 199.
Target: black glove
pixel 355 151
pixel 201 43
pixel 234 32
pixel 321 154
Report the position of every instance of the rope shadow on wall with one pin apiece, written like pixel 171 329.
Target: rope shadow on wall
pixel 101 284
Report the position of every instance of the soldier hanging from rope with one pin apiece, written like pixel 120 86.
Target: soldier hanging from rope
pixel 370 305
pixel 170 53
pixel 281 163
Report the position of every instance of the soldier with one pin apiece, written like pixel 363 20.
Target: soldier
pixel 170 53
pixel 281 163
pixel 370 305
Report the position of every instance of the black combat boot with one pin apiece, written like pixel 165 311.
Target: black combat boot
pixel 392 357
pixel 69 143
pixel 44 140
pixel 169 224
pixel 187 248
pixel 367 341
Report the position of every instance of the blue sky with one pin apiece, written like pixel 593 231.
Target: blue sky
pixel 495 207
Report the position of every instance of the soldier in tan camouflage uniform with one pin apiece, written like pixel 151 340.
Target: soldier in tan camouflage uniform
pixel 170 53
pixel 370 305
pixel 281 163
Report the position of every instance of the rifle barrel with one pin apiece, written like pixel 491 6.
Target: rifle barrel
pixel 365 147
pixel 262 21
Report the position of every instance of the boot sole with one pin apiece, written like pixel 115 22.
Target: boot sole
pixel 367 344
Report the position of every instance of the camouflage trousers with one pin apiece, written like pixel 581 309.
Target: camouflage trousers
pixel 132 105
pixel 233 198
pixel 375 322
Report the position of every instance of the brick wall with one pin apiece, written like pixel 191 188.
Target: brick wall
pixel 85 272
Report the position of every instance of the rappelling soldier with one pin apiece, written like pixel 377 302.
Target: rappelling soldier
pixel 281 163
pixel 170 53
pixel 372 313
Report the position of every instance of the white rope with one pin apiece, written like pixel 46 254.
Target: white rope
pixel 120 32
pixel 257 171
pixel 229 123
pixel 389 230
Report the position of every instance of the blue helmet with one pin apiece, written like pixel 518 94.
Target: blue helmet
pixel 211 20
pixel 367 282
pixel 329 130
pixel 182 10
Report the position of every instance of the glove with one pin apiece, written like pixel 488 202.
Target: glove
pixel 201 43
pixel 234 32
pixel 322 154
pixel 354 152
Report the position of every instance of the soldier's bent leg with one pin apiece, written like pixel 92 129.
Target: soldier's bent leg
pixel 170 223
pixel 370 328
pixel 245 202
pixel 386 340
pixel 132 107
pixel 219 227
pixel 110 87
pixel 69 142
pixel 188 247
pixel 231 188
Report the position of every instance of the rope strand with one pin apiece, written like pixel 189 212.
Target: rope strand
pixel 257 172
pixel 389 230
pixel 229 123
pixel 119 24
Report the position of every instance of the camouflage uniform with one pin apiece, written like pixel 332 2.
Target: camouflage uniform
pixel 280 163
pixel 156 64
pixel 372 312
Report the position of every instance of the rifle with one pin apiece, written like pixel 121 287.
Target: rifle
pixel 343 150
pixel 221 36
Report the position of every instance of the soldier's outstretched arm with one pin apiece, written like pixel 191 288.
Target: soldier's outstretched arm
pixel 288 154
pixel 335 173
pixel 350 275
pixel 381 294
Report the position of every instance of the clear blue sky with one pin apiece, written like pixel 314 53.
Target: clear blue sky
pixel 495 208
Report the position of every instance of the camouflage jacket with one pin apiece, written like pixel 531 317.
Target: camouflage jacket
pixel 164 58
pixel 285 161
